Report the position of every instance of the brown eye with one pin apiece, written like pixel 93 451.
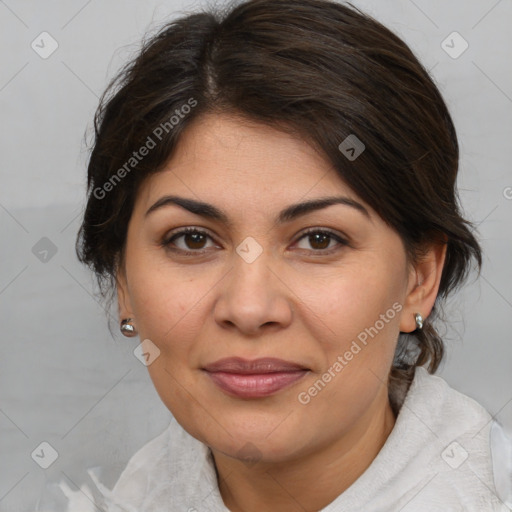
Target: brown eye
pixel 320 240
pixel 193 241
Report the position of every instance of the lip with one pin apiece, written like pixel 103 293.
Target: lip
pixel 255 366
pixel 254 379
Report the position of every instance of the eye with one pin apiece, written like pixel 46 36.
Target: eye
pixel 193 238
pixel 193 241
pixel 320 240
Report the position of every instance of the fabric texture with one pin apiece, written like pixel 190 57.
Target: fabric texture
pixel 445 453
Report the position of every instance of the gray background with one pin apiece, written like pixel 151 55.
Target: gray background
pixel 63 378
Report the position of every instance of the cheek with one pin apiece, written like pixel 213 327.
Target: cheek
pixel 356 325
pixel 354 318
pixel 347 303
pixel 165 296
pixel 167 305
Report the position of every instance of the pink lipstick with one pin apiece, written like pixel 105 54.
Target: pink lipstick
pixel 254 379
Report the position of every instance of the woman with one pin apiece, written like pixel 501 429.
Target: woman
pixel 272 199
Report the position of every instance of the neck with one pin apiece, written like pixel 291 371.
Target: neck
pixel 312 481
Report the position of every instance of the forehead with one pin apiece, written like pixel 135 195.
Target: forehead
pixel 227 158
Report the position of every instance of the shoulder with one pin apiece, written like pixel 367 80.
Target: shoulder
pixel 173 466
pixel 470 462
pixel 130 489
pixel 134 480
pixel 501 454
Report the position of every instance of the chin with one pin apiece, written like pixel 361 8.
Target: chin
pixel 258 441
pixel 262 451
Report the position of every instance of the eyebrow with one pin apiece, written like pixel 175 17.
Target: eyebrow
pixel 288 214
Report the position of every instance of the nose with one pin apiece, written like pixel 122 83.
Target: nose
pixel 254 297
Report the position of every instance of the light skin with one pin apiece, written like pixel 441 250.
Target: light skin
pixel 303 299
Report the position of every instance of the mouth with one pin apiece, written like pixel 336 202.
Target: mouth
pixel 254 379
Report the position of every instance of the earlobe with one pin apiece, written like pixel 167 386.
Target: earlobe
pixel 426 278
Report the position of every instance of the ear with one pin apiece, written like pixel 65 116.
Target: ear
pixel 423 284
pixel 123 296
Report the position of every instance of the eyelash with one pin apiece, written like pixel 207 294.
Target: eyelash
pixel 166 242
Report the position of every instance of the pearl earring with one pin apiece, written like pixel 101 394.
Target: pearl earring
pixel 419 321
pixel 128 328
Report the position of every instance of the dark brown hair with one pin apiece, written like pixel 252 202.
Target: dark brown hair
pixel 316 69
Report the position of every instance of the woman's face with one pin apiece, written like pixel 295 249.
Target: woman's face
pixel 254 285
